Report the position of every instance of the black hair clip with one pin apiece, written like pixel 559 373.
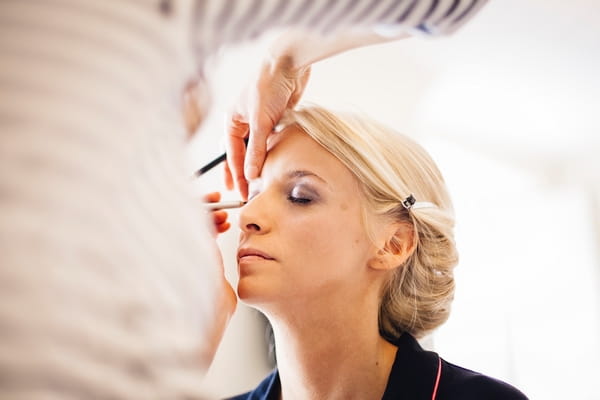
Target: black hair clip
pixel 409 202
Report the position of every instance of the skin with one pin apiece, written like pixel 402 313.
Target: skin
pixel 226 301
pixel 306 261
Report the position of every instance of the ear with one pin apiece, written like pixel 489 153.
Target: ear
pixel 398 244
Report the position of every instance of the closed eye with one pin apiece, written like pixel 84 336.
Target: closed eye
pixel 299 200
pixel 301 194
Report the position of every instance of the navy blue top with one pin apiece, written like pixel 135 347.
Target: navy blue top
pixel 413 377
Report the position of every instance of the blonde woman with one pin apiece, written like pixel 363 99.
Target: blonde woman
pixel 110 282
pixel 347 247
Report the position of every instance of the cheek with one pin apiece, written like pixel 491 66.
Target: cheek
pixel 328 238
pixel 305 235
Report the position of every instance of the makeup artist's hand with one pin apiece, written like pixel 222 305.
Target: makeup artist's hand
pixel 219 217
pixel 278 86
pixel 226 300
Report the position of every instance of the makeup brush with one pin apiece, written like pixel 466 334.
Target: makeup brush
pixel 215 162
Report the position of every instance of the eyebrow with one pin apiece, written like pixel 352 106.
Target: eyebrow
pixel 300 173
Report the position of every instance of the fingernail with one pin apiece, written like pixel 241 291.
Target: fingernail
pixel 251 172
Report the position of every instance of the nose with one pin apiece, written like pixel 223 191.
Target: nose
pixel 253 216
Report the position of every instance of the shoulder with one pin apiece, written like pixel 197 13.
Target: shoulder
pixel 266 390
pixel 461 383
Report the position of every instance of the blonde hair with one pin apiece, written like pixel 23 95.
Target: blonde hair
pixel 390 167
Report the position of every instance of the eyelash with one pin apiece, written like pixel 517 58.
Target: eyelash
pixel 292 199
pixel 299 200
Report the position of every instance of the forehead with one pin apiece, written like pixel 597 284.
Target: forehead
pixel 290 134
pixel 294 149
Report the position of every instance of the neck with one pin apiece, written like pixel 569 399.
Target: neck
pixel 330 350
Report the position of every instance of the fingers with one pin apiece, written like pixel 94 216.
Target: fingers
pixel 275 95
pixel 237 130
pixel 227 176
pixel 301 83
pixel 212 197
pixel 219 217
pixel 264 103
pixel 220 221
pixel 255 154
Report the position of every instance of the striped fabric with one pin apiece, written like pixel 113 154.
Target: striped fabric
pixel 107 269
pixel 219 22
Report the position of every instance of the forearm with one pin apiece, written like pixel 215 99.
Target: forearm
pixel 298 50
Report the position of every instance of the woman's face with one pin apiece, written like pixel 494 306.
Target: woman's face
pixel 302 233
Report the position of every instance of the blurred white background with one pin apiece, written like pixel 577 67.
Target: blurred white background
pixel 509 108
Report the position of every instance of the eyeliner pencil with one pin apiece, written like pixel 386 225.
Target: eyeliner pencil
pixel 224 204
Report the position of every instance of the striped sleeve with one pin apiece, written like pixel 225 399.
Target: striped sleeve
pixel 107 268
pixel 229 21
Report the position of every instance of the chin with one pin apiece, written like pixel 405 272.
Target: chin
pixel 254 293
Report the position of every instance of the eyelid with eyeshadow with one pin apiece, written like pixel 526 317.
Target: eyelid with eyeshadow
pixel 303 192
pixel 297 183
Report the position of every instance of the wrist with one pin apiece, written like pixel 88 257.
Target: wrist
pixel 288 53
pixel 287 65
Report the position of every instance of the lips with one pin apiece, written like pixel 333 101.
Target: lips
pixel 250 253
